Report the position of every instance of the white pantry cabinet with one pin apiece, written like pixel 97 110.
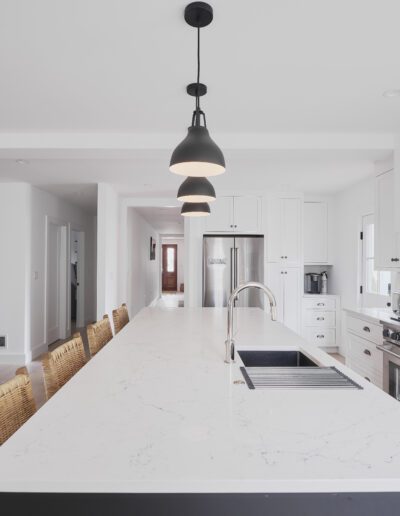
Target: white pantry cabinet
pixel 284 230
pixel 235 214
pixel 315 233
pixel 387 252
pixel 286 284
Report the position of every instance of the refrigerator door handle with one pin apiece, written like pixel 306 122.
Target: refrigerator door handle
pixel 236 266
pixel 232 272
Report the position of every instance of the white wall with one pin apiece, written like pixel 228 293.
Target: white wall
pixel 107 250
pixel 43 205
pixel 14 271
pixel 180 242
pixel 349 207
pixel 143 276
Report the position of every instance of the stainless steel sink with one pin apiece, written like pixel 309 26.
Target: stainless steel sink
pixel 290 370
pixel 267 358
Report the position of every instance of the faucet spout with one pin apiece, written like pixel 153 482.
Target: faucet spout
pixel 230 343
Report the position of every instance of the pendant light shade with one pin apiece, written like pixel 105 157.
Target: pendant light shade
pixel 195 209
pixel 197 155
pixel 196 189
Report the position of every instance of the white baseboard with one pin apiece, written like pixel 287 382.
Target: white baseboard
pixel 36 352
pixel 13 358
pixel 155 301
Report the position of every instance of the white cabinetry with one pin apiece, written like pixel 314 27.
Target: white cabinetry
pixel 284 231
pixel 363 356
pixel 315 233
pixel 286 283
pixel 387 254
pixel 240 214
pixel 321 320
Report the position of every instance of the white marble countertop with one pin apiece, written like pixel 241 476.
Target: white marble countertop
pixel 374 315
pixel 158 410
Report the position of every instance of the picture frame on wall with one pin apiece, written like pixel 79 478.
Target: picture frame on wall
pixel 152 249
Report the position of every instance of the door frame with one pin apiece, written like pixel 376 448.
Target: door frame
pixel 63 294
pixel 175 266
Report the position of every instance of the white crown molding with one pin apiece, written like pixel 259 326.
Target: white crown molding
pixel 87 143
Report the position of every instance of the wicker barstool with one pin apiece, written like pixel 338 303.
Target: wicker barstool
pixel 99 334
pixel 60 365
pixel 16 403
pixel 120 317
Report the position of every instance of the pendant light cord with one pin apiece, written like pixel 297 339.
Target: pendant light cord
pixel 198 70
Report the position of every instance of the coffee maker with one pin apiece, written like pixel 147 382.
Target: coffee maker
pixel 312 283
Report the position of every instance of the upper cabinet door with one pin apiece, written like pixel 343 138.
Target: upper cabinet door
pixel 386 252
pixel 274 230
pixel 221 218
pixel 246 214
pixel 315 232
pixel 291 230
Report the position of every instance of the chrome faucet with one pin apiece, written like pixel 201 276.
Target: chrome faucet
pixel 230 343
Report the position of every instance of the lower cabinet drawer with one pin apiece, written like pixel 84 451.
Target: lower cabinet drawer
pixel 372 376
pixel 365 329
pixel 320 318
pixel 321 336
pixel 363 353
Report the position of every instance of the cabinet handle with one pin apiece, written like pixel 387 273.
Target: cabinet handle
pixel 282 257
pixel 367 352
pixel 285 257
pixel 394 259
pixel 320 336
pixel 320 304
pixel 366 377
pixel 320 318
pixel 235 226
pixel 367 329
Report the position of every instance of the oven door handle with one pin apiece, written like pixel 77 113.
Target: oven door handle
pixel 382 348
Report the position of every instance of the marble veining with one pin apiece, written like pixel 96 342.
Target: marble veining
pixel 158 410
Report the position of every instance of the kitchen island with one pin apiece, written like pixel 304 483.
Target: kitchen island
pixel 158 423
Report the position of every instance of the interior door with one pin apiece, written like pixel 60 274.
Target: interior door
pixel 249 266
pixel 218 277
pixel 169 267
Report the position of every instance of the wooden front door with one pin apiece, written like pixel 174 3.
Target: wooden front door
pixel 169 267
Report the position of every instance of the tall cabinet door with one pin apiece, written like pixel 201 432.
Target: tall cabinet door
pixel 292 294
pixel 274 280
pixel 249 261
pixel 246 214
pixel 291 231
pixel 221 217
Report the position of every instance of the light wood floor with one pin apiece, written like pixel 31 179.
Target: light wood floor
pixel 36 371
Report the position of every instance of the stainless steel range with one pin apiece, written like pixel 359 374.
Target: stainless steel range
pixel 391 359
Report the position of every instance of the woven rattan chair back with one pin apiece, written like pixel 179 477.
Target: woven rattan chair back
pixel 99 334
pixel 120 317
pixel 16 403
pixel 60 365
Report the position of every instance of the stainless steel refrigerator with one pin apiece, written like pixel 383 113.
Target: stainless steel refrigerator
pixel 229 261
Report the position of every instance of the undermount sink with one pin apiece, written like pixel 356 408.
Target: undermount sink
pixel 263 358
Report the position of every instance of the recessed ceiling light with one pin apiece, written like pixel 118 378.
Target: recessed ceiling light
pixel 22 162
pixel 391 93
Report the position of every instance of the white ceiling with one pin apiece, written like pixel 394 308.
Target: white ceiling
pixel 94 90
pixel 165 220
pixel 270 65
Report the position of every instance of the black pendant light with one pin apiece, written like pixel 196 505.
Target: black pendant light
pixel 195 209
pixel 198 155
pixel 196 189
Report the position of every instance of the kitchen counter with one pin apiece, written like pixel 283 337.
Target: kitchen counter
pixel 374 315
pixel 158 411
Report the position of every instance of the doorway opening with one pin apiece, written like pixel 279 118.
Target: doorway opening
pixel 77 290
pixel 169 268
